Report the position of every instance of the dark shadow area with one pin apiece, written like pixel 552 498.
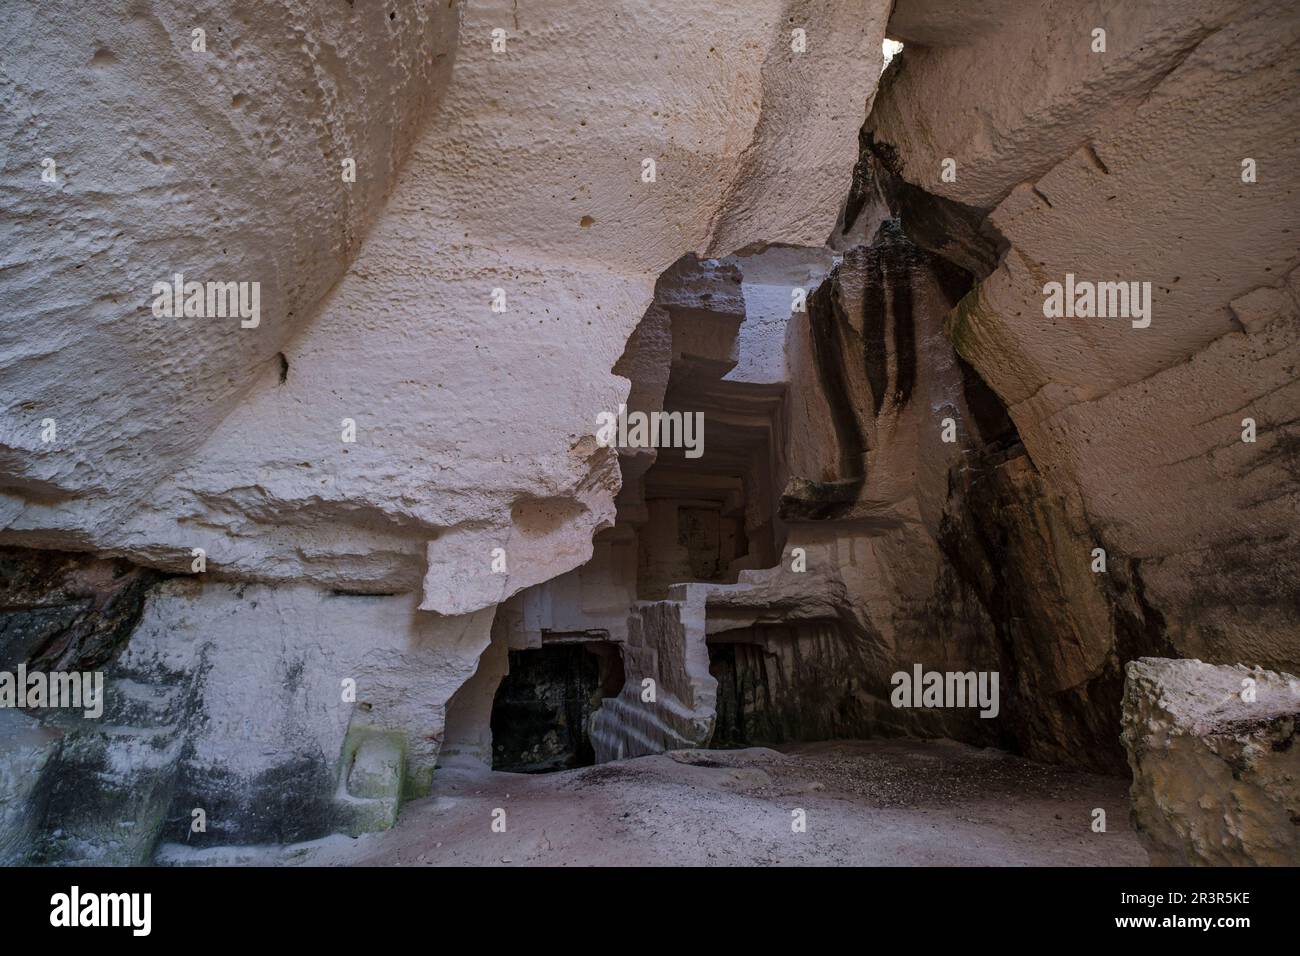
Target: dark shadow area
pixel 543 705
pixel 790 682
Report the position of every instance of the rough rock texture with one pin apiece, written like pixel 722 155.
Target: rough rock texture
pixel 477 170
pixel 1064 630
pixel 172 160
pixel 982 553
pixel 808 447
pixel 1122 165
pixel 527 179
pixel 67 612
pixel 1127 165
pixel 1216 774
pixel 282 713
pixel 26 747
pixel 786 682
pixel 394 479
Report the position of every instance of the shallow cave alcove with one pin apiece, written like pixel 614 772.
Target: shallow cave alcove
pixel 543 706
pixel 783 683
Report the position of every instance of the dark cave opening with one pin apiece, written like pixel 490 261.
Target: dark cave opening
pixel 542 709
pixel 781 683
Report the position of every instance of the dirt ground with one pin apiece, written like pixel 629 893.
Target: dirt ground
pixel 900 802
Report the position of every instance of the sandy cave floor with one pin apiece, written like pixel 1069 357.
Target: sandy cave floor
pixel 896 802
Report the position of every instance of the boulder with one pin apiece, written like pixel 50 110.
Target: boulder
pixel 1216 766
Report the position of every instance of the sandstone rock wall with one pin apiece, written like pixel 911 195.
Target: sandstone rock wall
pixel 253 705
pixel 394 478
pixel 1127 165
pixel 819 450
pixel 485 174
pixel 223 164
pixel 524 176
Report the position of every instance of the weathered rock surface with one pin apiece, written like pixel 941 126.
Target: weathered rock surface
pixel 222 164
pixel 517 169
pixel 837 582
pixel 379 500
pixel 280 713
pixel 1128 165
pixel 26 747
pixel 66 612
pixel 1216 764
pixel 526 178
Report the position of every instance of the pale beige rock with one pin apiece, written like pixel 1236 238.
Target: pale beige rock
pixel 518 170
pixel 337 661
pixel 224 165
pixel 1008 89
pixel 473 427
pixel 864 591
pixel 1216 775
pixel 475 514
pixel 1127 166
